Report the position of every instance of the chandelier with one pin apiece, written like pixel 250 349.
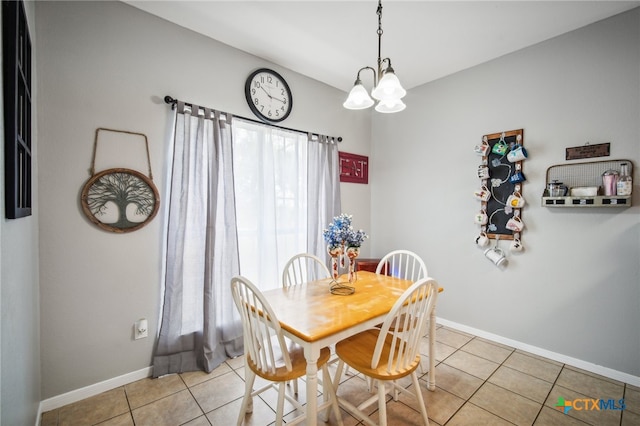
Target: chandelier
pixel 387 88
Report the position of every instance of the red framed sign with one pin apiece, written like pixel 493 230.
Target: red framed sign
pixel 353 168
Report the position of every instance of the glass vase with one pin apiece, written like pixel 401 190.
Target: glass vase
pixel 335 252
pixel 352 252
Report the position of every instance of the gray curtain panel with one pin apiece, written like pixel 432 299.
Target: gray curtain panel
pixel 323 193
pixel 199 327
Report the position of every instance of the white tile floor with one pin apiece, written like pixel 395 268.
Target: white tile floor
pixel 478 383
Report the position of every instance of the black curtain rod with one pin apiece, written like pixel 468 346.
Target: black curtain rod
pixel 169 100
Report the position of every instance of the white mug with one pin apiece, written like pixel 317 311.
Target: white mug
pixel 482 149
pixel 482 240
pixel 516 245
pixel 481 218
pixel 496 255
pixel 482 194
pixel 515 200
pixel 515 224
pixel 483 172
pixel 518 153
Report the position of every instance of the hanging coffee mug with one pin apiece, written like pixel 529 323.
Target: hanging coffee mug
pixel 483 172
pixel 515 200
pixel 518 153
pixel 500 147
pixel 482 194
pixel 481 218
pixel 517 177
pixel 482 240
pixel 515 224
pixel 482 149
pixel 496 255
pixel 516 245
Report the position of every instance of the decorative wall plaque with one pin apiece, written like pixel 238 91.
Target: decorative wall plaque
pixel 120 200
pixel 588 151
pixel 353 168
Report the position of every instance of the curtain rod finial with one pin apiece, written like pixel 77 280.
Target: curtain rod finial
pixel 169 100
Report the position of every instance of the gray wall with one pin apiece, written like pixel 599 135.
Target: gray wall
pixel 575 290
pixel 19 299
pixel 107 64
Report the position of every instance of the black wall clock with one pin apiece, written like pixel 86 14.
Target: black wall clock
pixel 268 95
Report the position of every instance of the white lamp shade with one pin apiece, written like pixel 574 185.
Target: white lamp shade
pixel 389 88
pixel 388 107
pixel 358 98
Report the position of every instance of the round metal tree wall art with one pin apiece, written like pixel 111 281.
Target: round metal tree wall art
pixel 120 200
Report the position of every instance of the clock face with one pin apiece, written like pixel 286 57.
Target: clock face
pixel 268 95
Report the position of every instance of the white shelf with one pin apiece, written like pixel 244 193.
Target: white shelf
pixel 585 174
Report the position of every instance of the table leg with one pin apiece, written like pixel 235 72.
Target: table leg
pixel 431 383
pixel 312 354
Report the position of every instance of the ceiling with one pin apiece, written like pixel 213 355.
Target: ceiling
pixel 426 40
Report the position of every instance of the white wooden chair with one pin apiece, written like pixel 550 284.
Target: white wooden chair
pixel 402 264
pixel 304 267
pixel 386 355
pixel 270 355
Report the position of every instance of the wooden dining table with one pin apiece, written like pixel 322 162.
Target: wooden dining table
pixel 314 318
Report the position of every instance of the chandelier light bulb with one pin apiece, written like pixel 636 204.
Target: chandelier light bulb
pixel 358 98
pixel 387 107
pixel 389 88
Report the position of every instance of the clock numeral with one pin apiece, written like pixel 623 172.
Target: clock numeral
pixel 256 101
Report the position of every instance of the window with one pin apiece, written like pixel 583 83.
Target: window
pixel 17 109
pixel 270 173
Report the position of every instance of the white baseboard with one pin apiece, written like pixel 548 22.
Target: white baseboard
pixel 578 363
pixel 91 390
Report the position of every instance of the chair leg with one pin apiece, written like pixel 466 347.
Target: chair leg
pixel 338 376
pixel 247 401
pixel 382 403
pixel 330 389
pixel 280 408
pixel 418 392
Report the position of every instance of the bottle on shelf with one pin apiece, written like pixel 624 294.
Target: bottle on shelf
pixel 624 185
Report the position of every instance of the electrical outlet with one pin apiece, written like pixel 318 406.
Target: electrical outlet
pixel 141 329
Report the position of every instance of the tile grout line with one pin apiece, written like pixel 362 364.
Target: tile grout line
pixel 485 381
pixel 196 399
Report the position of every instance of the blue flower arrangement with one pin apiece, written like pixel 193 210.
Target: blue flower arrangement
pixel 340 232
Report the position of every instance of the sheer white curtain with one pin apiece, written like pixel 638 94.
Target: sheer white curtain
pixel 270 166
pixel 198 330
pixel 323 191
